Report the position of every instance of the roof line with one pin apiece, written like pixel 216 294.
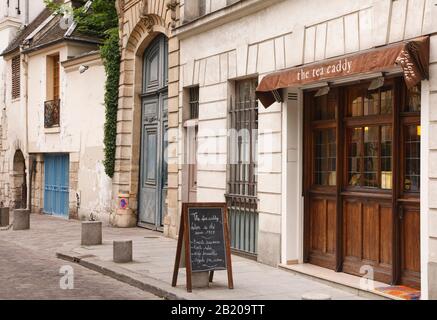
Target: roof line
pixel 48 44
pixel 38 29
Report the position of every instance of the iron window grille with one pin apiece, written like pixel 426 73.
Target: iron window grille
pixel 194 103
pixel 242 179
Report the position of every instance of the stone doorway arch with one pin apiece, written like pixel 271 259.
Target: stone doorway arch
pixel 19 186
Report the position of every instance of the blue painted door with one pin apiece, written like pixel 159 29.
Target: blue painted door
pixel 56 185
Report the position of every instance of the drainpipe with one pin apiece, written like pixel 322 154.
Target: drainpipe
pixel 26 105
pixel 26 19
pixel 32 160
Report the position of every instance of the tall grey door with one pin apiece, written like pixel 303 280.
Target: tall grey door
pixel 153 164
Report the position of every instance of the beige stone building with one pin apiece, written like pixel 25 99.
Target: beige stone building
pixel 141 180
pixel 331 170
pixel 52 121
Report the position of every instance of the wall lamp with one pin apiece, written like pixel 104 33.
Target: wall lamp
pixel 323 91
pixel 83 68
pixel 377 83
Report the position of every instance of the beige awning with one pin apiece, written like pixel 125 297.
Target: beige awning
pixel 412 56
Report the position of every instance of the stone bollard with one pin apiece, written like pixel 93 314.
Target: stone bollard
pixel 4 217
pixel 123 251
pixel 316 296
pixel 21 219
pixel 91 233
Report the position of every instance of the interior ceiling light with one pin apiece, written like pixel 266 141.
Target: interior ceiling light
pixel 377 83
pixel 322 91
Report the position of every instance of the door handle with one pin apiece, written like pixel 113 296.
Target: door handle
pixel 401 213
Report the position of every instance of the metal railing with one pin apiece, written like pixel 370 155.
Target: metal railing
pixel 51 113
pixel 243 223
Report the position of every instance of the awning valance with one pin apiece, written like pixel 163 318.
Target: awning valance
pixel 412 56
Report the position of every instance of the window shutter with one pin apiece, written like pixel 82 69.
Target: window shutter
pixel 16 90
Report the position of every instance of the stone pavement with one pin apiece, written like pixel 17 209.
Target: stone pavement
pixel 153 264
pixel 29 274
pixel 29 268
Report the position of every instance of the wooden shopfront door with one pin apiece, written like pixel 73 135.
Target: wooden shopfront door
pixel 362 180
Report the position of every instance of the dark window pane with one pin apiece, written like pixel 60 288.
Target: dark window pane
pixel 413 99
pixel 194 103
pixel 386 158
pixel 412 158
pixel 325 145
pixel 243 141
pixel 355 103
pixel 355 156
pixel 371 156
pixel 386 101
pixel 371 103
pixel 153 68
pixel 151 158
pixel 325 106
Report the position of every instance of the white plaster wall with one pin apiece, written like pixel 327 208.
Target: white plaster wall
pixel 82 119
pixel 429 169
pixel 35 7
pixel 12 112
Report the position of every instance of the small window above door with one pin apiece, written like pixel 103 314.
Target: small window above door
pixel 413 100
pixel 156 65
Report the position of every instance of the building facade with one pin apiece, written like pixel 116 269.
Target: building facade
pixel 145 183
pixel 14 16
pixel 52 142
pixel 310 119
pixel 336 168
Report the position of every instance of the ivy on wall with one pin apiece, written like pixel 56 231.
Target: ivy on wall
pixel 100 20
pixel 110 52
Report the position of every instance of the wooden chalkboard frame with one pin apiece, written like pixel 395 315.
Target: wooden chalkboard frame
pixel 184 240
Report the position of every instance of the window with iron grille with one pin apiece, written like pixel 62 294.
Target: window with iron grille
pixel 53 103
pixel 194 103
pixel 242 179
pixel 16 71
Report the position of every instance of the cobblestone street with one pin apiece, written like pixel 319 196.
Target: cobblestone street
pixel 29 269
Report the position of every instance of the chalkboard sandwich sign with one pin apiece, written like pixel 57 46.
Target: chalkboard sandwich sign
pixel 204 241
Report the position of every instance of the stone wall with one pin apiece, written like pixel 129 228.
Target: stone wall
pixel 430 161
pixel 37 178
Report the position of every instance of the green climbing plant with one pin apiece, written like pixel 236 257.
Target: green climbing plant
pixel 100 20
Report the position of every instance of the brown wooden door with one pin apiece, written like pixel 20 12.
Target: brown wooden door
pixel 410 245
pixel 323 230
pixel 362 181
pixel 368 237
pixel 409 199
pixel 321 180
